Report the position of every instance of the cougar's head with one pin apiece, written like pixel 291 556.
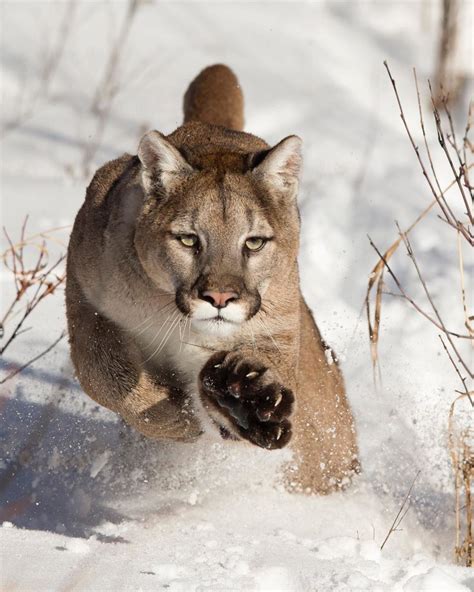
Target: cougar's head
pixel 218 231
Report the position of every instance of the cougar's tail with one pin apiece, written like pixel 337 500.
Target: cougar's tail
pixel 214 96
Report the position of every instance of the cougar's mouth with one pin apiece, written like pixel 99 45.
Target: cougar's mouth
pixel 207 319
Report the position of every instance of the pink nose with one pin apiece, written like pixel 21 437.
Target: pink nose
pixel 219 299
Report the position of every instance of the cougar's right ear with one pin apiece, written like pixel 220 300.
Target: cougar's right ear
pixel 162 163
pixel 280 167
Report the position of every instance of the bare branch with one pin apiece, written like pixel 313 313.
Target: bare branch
pixel 401 512
pixel 462 379
pixel 441 324
pixel 442 142
pixel 33 360
pixel 410 300
pixel 452 221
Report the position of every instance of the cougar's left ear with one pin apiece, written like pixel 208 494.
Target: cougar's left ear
pixel 162 162
pixel 281 165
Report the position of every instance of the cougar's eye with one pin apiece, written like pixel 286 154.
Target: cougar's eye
pixel 188 240
pixel 255 243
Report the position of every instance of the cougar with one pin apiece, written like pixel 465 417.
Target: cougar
pixel 184 308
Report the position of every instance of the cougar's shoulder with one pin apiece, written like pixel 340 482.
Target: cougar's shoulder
pixel 94 213
pixel 95 226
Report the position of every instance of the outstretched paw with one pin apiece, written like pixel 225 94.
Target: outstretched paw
pixel 248 395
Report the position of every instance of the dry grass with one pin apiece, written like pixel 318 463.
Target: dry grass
pixel 454 207
pixel 461 447
pixel 33 283
pixel 402 512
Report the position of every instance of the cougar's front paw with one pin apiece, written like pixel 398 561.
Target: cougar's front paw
pixel 247 394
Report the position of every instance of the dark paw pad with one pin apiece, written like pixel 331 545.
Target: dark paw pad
pixel 245 392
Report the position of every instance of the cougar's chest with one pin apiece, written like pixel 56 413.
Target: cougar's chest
pixel 170 346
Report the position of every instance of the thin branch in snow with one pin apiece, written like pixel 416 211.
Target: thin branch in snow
pixel 33 360
pixel 402 512
pixel 463 231
pixel 457 175
pixel 32 284
pixel 448 218
pixel 403 293
pixel 449 334
pixel 461 439
pixel 458 372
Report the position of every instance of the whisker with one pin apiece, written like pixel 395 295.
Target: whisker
pixel 261 321
pixel 252 335
pixel 156 351
pixel 166 336
pixel 181 333
pixel 170 318
pixel 152 319
pixel 145 320
pixel 200 346
pixel 152 314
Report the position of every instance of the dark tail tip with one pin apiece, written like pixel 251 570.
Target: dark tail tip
pixel 215 97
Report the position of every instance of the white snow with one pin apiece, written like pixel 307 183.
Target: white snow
pixel 89 505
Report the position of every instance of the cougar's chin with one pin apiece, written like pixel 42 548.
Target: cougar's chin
pixel 216 327
pixel 217 321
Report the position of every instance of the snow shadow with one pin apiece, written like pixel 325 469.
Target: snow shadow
pixel 65 472
pixel 74 472
pixel 54 473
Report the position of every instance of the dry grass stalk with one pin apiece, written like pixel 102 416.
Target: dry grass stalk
pixel 461 446
pixel 33 283
pixel 468 319
pixel 461 440
pixel 402 512
pixel 376 280
pixel 448 215
pixel 463 229
pixel 50 347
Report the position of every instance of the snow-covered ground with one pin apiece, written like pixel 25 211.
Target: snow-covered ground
pixel 89 505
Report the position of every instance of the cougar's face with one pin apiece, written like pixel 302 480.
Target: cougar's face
pixel 216 241
pixel 217 245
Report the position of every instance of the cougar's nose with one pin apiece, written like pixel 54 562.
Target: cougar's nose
pixel 218 299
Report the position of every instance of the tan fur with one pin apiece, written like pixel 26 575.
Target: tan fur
pixel 129 281
pixel 215 97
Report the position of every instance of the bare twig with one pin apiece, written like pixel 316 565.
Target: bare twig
pixel 376 278
pixel 467 319
pixel 448 219
pixel 410 300
pixel 457 150
pixel 31 284
pixel 461 450
pixel 442 199
pixel 401 512
pixel 442 142
pixel 449 334
pixel 462 458
pixel 33 360
pixel 461 377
